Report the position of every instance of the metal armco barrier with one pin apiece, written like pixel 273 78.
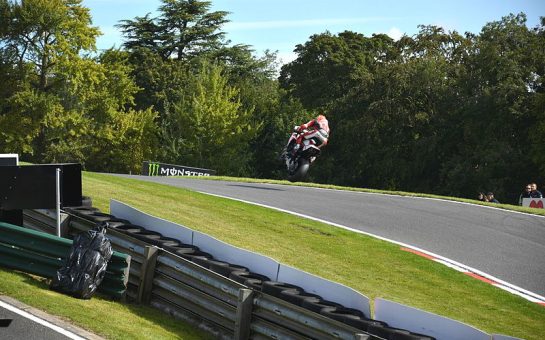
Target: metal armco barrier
pixel 214 303
pixel 230 310
pixel 43 254
pixel 181 287
pixel 163 169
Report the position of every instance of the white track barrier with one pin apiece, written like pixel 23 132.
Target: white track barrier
pixel 419 321
pixel 258 263
pixel 395 314
pixel 153 223
pixel 328 290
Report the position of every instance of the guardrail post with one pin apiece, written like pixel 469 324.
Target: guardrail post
pixel 58 200
pixel 244 314
pixel 146 274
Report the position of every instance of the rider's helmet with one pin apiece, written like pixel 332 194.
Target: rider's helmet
pixel 322 121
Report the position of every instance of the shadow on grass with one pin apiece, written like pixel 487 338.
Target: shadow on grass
pixel 168 322
pixel 154 316
pixel 35 281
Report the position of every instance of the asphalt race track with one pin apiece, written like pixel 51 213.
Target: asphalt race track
pixel 507 245
pixel 21 327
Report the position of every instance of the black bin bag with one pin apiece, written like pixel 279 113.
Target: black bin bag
pixel 85 267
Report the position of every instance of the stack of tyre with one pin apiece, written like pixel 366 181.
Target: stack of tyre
pixel 285 291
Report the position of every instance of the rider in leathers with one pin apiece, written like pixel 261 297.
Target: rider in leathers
pixel 317 129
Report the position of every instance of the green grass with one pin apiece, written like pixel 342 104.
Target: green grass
pixel 373 267
pixel 98 315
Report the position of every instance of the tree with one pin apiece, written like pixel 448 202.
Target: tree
pixel 329 66
pixel 44 33
pixel 436 112
pixel 183 29
pixel 62 105
pixel 38 39
pixel 536 85
pixel 207 127
pixel 498 116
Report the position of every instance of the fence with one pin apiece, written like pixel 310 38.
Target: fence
pixel 212 302
pixel 42 254
pixel 538 203
pixel 396 315
pixel 228 309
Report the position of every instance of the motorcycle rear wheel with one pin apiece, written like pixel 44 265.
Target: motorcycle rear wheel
pixel 300 172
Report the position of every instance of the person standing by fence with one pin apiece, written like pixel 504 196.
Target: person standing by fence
pixel 535 193
pixel 526 193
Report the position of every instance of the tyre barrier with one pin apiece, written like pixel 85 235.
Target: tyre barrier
pixel 316 305
pixel 284 291
pixel 220 267
pixel 206 262
pixel 99 217
pixel 196 256
pixel 129 229
pixel 86 201
pixel 297 297
pixel 275 288
pixel 184 249
pixel 81 211
pixel 249 279
pixel 168 243
pixel 396 333
pixel 148 236
pixel 227 269
pixel 351 317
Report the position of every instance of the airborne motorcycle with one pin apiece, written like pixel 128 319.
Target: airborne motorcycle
pixel 302 149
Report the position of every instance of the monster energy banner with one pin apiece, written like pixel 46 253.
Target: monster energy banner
pixel 162 169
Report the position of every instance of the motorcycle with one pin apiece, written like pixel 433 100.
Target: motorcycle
pixel 299 157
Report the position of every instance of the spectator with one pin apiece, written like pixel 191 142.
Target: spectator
pixel 491 199
pixel 482 197
pixel 526 193
pixel 535 193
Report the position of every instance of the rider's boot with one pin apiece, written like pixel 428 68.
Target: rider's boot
pixel 295 149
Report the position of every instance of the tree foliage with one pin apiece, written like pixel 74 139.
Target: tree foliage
pixel 65 106
pixel 183 29
pixel 207 127
pixel 437 112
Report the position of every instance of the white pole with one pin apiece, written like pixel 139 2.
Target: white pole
pixel 58 202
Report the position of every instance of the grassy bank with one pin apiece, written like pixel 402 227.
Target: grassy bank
pixel 98 315
pixel 373 267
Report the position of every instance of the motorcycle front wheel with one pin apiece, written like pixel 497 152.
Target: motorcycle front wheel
pixel 300 172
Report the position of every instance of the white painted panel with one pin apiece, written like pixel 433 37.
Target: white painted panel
pixel 328 290
pixel 167 228
pixel 419 321
pixel 220 250
pixel 225 252
pixel 534 202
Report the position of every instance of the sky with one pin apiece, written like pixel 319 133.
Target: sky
pixel 279 25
